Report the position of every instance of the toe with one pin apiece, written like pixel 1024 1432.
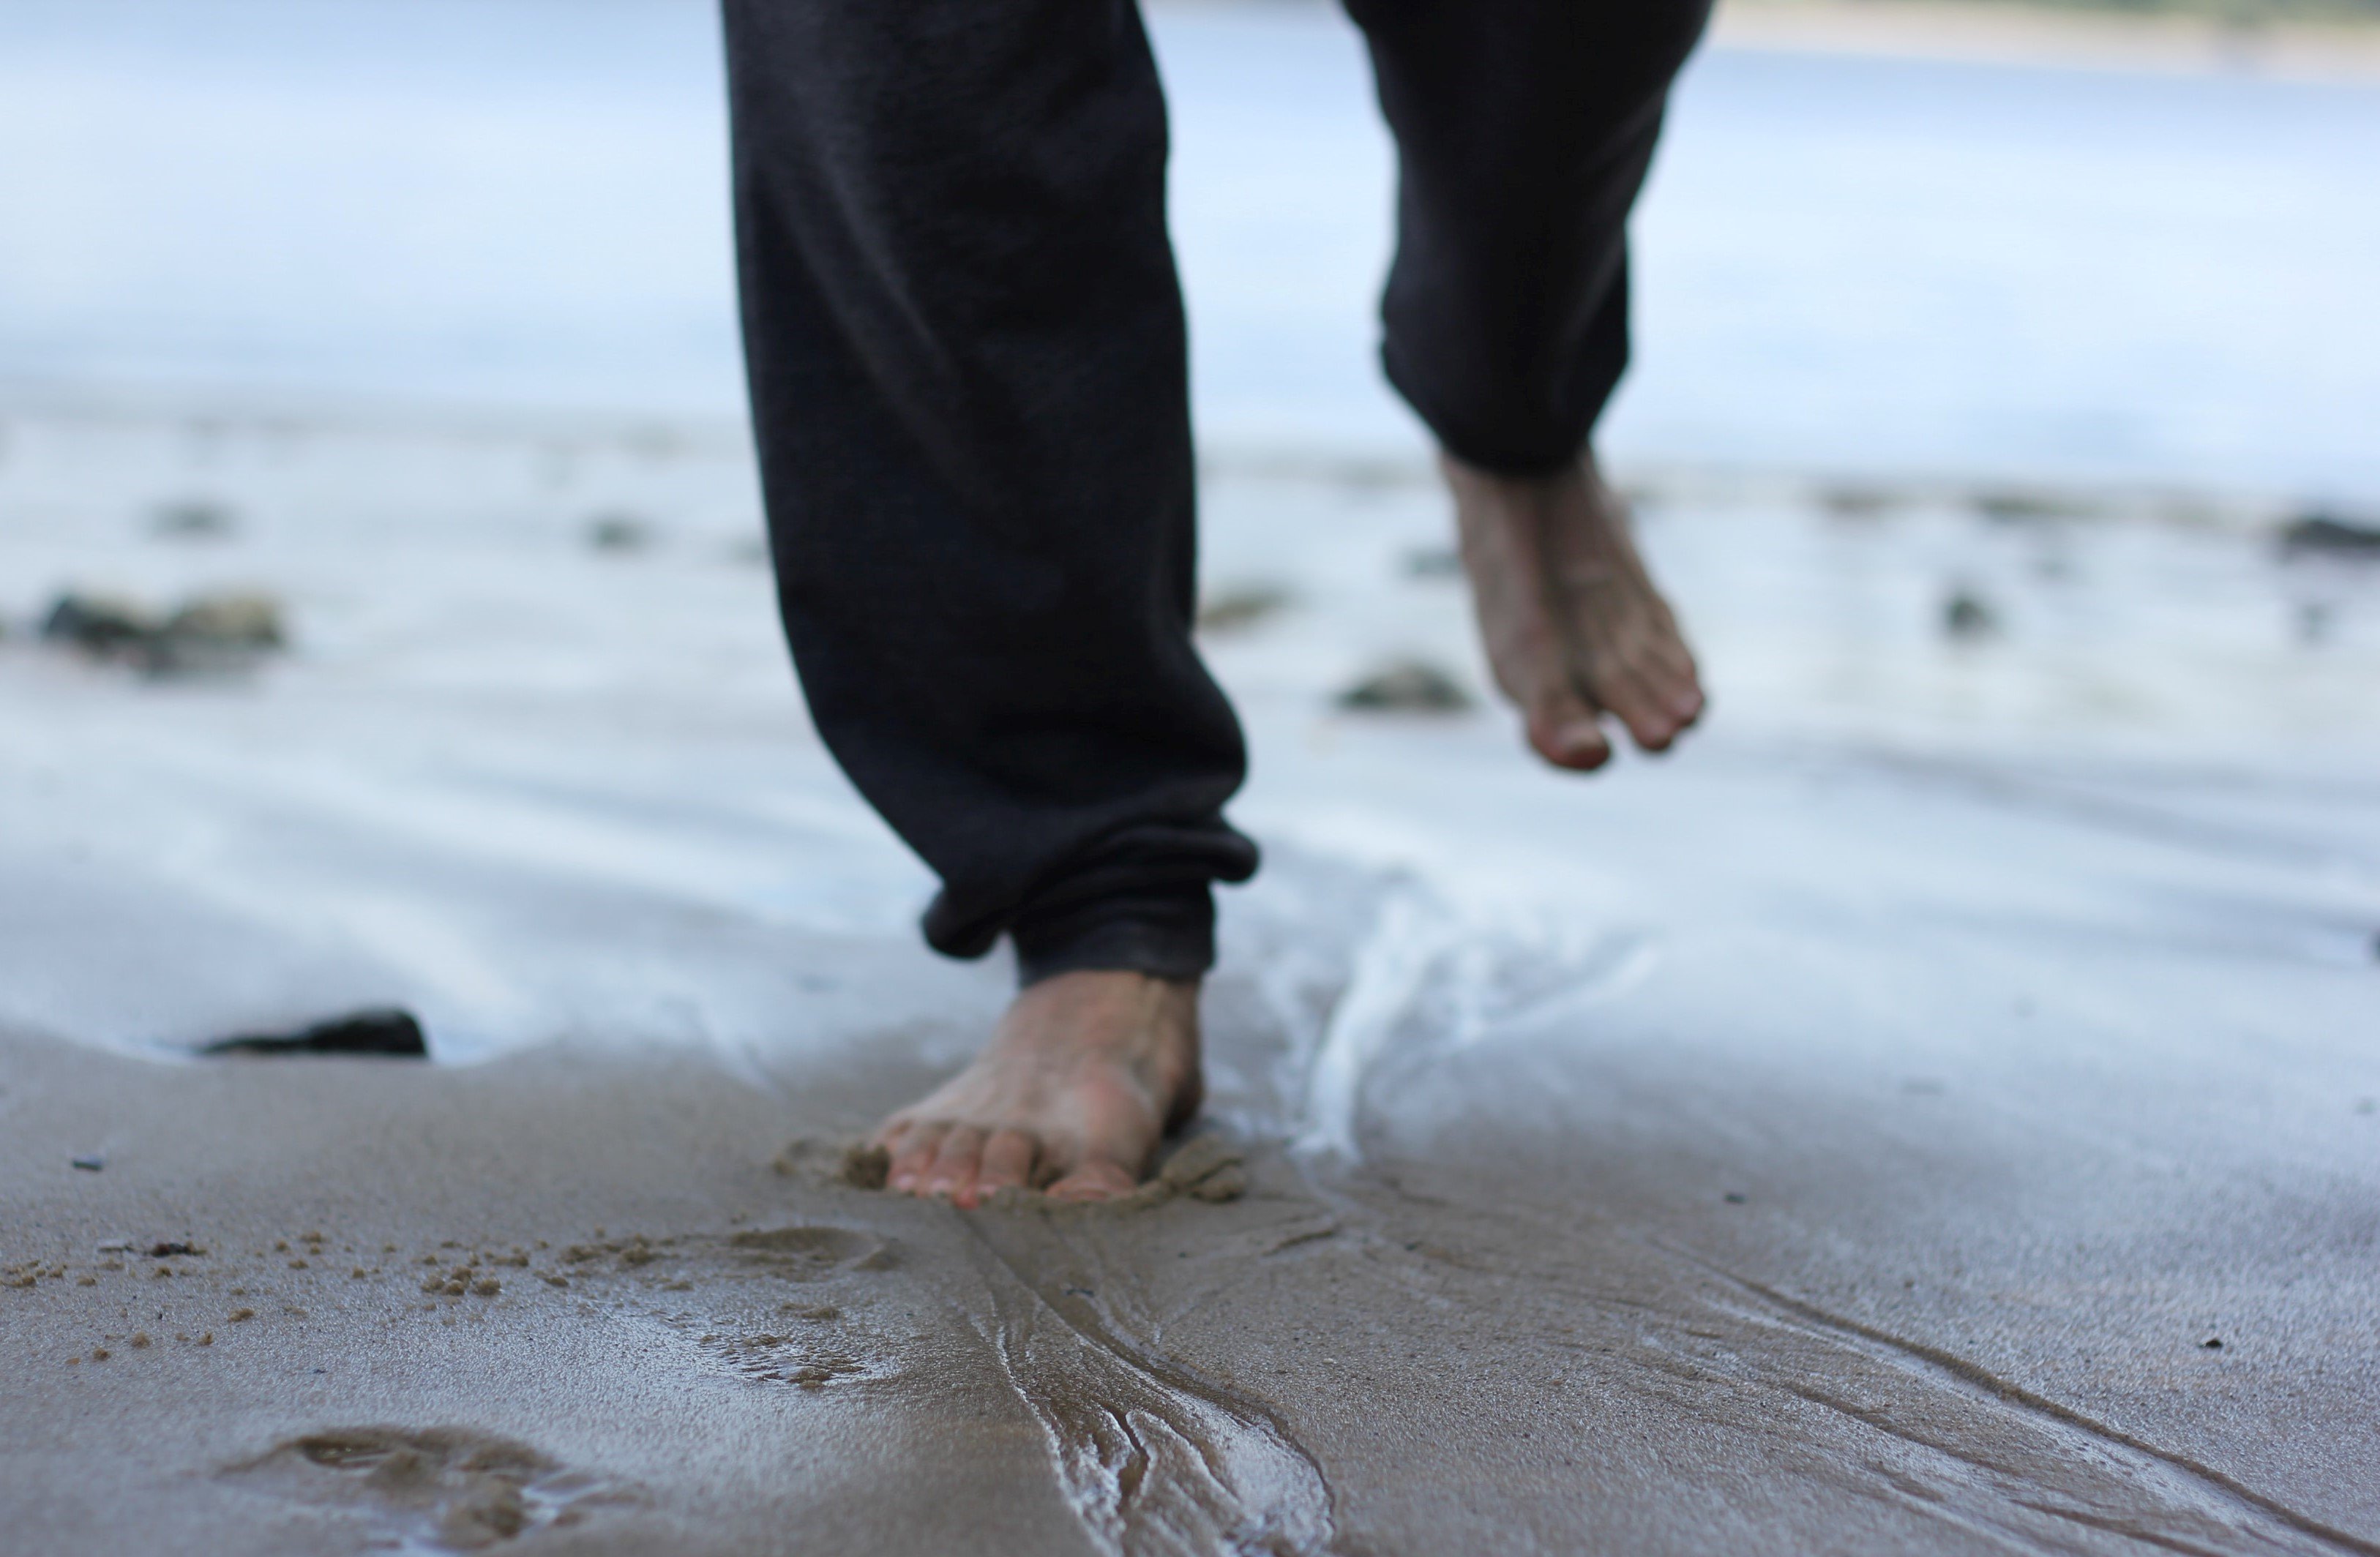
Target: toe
pixel 1565 731
pixel 914 1157
pixel 1634 693
pixel 1007 1163
pixel 1675 680
pixel 952 1177
pixel 1094 1179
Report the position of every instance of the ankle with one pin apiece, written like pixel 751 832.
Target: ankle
pixel 1113 1009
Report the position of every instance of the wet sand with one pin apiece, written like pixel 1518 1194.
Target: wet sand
pixel 1662 1305
pixel 1855 1133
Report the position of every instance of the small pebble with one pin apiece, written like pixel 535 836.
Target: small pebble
pixel 196 520
pixel 1968 616
pixel 1406 686
pixel 617 532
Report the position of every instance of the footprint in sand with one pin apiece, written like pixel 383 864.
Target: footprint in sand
pixel 449 1488
pixel 812 1253
pixel 799 1355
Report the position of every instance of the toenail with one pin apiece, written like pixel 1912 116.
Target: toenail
pixel 1578 743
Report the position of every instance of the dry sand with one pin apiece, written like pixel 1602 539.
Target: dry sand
pixel 1853 1135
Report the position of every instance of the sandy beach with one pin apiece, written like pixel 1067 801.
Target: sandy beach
pixel 1934 1112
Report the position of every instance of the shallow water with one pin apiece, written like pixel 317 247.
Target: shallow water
pixel 494 743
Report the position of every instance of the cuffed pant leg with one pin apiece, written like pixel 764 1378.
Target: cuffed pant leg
pixel 1524 130
pixel 964 341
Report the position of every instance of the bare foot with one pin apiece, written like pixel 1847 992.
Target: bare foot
pixel 1081 1079
pixel 1573 625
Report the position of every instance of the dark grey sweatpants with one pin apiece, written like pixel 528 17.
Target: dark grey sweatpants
pixel 965 339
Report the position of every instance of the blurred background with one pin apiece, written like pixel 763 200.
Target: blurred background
pixel 377 524
pixel 1885 237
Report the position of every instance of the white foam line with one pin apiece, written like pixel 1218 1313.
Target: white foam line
pixel 1410 937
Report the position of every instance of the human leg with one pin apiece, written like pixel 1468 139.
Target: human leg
pixel 1524 130
pixel 965 347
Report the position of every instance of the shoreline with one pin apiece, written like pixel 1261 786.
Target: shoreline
pixel 1979 32
pixel 2012 32
pixel 228 418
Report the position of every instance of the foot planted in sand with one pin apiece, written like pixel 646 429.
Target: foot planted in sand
pixel 1085 1075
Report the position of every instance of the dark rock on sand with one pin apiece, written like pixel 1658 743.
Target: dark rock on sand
pixel 2329 535
pixel 1853 501
pixel 388 1033
pixel 193 521
pixel 100 624
pixel 1241 606
pixel 216 632
pixel 1433 561
pixel 239 620
pixel 618 532
pixel 1411 686
pixel 2015 505
pixel 225 631
pixel 1967 616
pixel 249 620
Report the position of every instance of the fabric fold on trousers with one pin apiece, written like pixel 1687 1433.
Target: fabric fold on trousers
pixel 966 347
pixel 965 340
pixel 1524 130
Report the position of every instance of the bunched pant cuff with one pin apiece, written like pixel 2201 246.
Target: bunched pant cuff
pixel 1167 934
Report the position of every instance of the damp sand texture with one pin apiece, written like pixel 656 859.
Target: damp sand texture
pixel 608 1313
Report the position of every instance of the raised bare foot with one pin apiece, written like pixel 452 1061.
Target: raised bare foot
pixel 1573 625
pixel 1081 1079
